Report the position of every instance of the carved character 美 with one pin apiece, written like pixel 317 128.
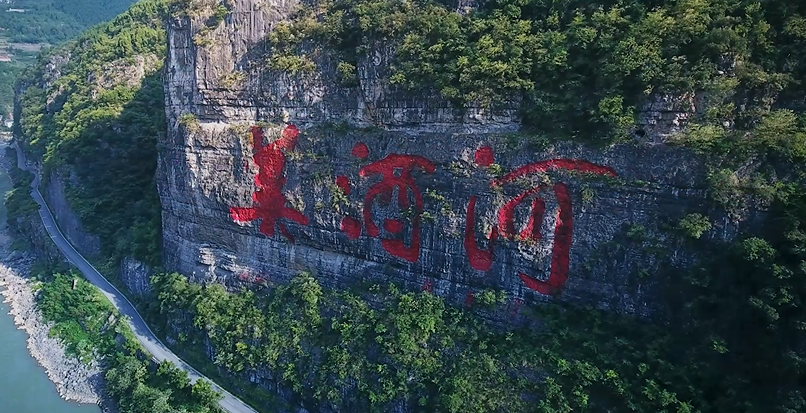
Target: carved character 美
pixel 269 200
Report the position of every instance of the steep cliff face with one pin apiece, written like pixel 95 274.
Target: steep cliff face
pixel 54 194
pixel 431 196
pixel 220 74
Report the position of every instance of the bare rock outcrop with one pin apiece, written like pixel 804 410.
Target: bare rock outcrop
pixel 390 197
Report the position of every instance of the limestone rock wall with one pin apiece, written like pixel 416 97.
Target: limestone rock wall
pixel 388 198
pixel 69 223
pixel 135 276
pixel 214 230
pixel 225 79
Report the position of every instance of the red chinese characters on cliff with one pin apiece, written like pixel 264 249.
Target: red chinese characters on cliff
pixel 395 172
pixel 395 185
pixel 269 201
pixel 482 259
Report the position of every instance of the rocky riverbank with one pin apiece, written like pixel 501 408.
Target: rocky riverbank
pixel 74 380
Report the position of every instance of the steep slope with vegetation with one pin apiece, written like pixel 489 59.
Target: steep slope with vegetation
pixel 8 74
pixel 584 71
pixel 44 22
pixel 92 330
pixel 91 126
pixel 49 21
pixel 732 338
pixel 98 123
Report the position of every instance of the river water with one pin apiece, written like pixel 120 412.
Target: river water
pixel 24 387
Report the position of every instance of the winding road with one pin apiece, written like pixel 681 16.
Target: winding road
pixel 145 336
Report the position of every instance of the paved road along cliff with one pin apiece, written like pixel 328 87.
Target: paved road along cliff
pixel 150 342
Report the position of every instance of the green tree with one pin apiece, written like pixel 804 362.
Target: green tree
pixel 204 393
pixel 128 373
pixel 149 399
pixel 172 376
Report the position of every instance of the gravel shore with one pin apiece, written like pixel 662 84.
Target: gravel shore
pixel 74 380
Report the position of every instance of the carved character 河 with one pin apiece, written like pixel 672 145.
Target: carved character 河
pixel 560 254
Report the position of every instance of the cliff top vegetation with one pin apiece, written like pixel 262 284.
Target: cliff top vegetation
pixel 580 68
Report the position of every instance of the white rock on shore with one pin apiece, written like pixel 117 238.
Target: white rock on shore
pixel 74 380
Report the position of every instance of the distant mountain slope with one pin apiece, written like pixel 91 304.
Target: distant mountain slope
pixel 44 21
pixel 52 21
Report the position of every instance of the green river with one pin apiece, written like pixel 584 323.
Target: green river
pixel 24 387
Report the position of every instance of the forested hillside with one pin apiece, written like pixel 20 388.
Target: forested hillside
pixel 101 119
pixel 53 21
pixel 98 123
pixel 44 22
pixel 734 336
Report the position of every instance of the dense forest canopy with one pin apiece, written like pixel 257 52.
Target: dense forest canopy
pixel 48 22
pixel 580 67
pixel 54 21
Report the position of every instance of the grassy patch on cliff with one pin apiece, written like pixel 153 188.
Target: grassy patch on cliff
pixel 732 344
pixel 101 122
